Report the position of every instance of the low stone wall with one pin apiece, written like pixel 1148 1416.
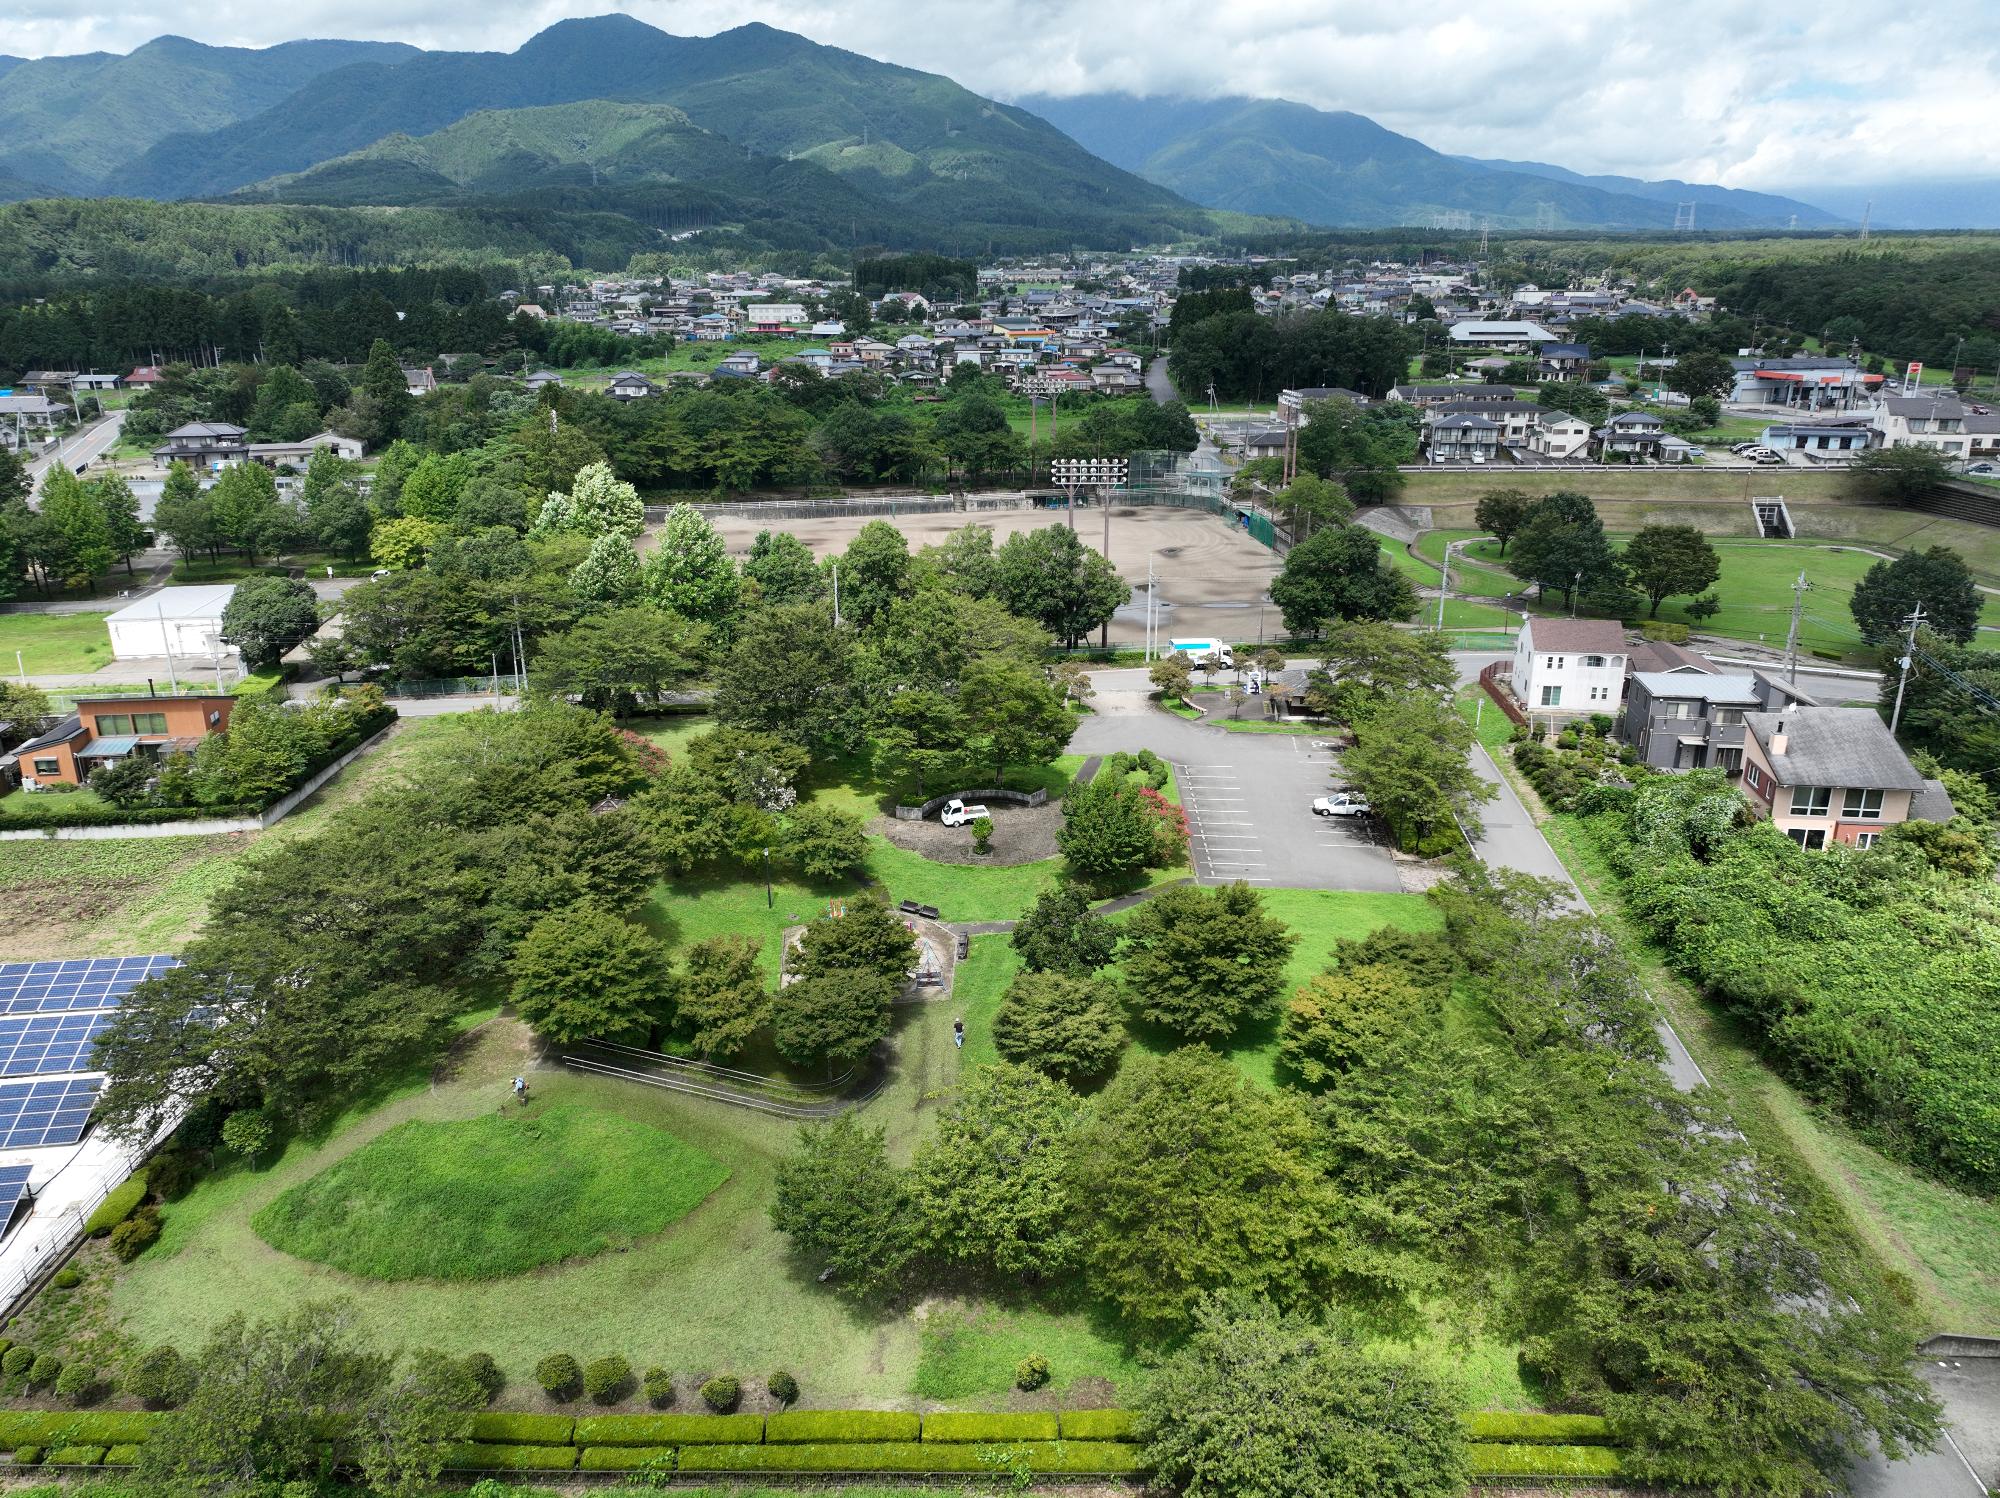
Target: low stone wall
pixel 276 812
pixel 1013 798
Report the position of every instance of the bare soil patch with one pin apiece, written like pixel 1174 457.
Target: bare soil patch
pixel 1021 834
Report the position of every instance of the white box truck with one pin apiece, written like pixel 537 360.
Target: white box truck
pixel 1197 651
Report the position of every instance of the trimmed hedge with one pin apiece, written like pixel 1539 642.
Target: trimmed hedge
pixel 669 1430
pixel 78 1428
pixel 523 1430
pixel 75 1456
pixel 843 1425
pixel 953 1426
pixel 121 1456
pixel 1103 1458
pixel 1511 1428
pixel 115 1208
pixel 1099 1425
pixel 626 1458
pixel 475 1456
pixel 1491 1459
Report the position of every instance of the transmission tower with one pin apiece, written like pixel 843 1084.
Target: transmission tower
pixel 1485 224
pixel 1684 217
pixel 1545 216
pixel 1793 222
pixel 1866 210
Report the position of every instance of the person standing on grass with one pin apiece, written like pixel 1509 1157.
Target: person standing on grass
pixel 958 1033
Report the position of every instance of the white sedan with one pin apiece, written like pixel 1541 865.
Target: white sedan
pixel 1346 804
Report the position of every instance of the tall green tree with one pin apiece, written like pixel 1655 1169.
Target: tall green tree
pixel 1664 560
pixel 1067 1024
pixel 1060 933
pixel 722 998
pixel 1502 512
pixel 385 384
pixel 1935 577
pixel 1048 575
pixel 782 567
pixel 873 573
pixel 587 973
pixel 1561 546
pixel 792 673
pixel 845 1208
pixel 620 660
pixel 1340 573
pixel 1412 760
pixel 838 1015
pixel 1012 715
pixel 689 571
pixel 79 531
pixel 267 616
pixel 121 516
pixel 1203 963
pixel 184 514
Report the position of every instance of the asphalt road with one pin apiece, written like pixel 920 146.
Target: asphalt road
pixel 77 450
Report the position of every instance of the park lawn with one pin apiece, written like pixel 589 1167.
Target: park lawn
pixel 1423 573
pixel 1493 728
pixel 1938 1237
pixel 54 644
pixel 968 1349
pixel 453 1200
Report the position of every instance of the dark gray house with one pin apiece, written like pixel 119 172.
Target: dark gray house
pixel 1688 720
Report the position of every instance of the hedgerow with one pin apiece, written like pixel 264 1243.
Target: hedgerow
pixel 949 1425
pixel 1490 1459
pixel 842 1425
pixel 522 1430
pixel 1099 1425
pixel 1054 1457
pixel 475 1456
pixel 1538 1430
pixel 670 1430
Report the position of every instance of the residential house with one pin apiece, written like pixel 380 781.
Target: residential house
pixel 1693 719
pixel 826 330
pixel 542 378
pixel 93 381
pixel 1115 378
pixel 1558 437
pixel 1833 775
pixel 1269 443
pixel 872 350
pixel 144 376
pixel 27 420
pixel 1437 395
pixel 1633 434
pixel 710 327
pixel 1819 442
pixel 1569 667
pixel 1933 421
pixel 419 381
pixel 1461 438
pixel 1565 361
pixel 630 385
pixel 775 317
pixel 299 454
pixel 1982 435
pixel 48 380
pixel 103 729
pixel 1298 399
pixel 743 365
pixel 204 444
pixel 1815 383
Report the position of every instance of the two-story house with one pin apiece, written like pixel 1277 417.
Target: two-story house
pixel 1631 434
pixel 1565 361
pixel 1570 667
pixel 1833 775
pixel 204 444
pixel 630 385
pixel 1558 436
pixel 1462 438
pixel 1933 421
pixel 1693 720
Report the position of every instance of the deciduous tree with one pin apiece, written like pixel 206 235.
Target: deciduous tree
pixel 1937 578
pixel 587 973
pixel 1664 560
pixel 1070 1025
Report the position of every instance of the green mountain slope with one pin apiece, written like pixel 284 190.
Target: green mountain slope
pixel 1751 209
pixel 967 168
pixel 67 121
pixel 1326 167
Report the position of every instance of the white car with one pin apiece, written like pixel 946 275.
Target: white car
pixel 1766 458
pixel 958 814
pixel 1344 804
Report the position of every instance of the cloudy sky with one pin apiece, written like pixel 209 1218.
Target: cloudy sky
pixel 1709 90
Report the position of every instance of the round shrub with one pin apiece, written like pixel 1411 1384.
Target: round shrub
pixel 1031 1372
pixel 17 1360
pixel 484 1372
pixel 28 1456
pixel 159 1380
pixel 783 1387
pixel 76 1382
pixel 67 1278
pixel 136 1234
pixel 659 1387
pixel 559 1376
pixel 721 1393
pixel 46 1370
pixel 607 1380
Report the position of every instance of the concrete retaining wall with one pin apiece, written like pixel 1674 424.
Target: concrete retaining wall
pixel 1013 798
pixel 276 812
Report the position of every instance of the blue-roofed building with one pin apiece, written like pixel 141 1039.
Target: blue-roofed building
pixel 1565 361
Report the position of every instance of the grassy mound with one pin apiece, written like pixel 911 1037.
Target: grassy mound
pixel 490 1196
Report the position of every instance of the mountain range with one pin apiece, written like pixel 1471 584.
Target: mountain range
pixel 1272 156
pixel 804 146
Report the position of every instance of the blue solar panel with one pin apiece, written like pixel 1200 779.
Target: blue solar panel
pixel 13 1186
pixel 75 984
pixel 38 1113
pixel 36 1043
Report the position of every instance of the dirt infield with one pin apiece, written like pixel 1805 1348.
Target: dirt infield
pixel 1212 577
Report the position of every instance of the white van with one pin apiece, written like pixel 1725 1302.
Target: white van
pixel 1198 651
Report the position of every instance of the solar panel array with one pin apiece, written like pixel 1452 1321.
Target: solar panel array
pixel 38 1113
pixel 13 1186
pixel 35 1044
pixel 76 983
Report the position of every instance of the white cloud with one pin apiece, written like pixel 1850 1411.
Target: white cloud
pixel 1710 90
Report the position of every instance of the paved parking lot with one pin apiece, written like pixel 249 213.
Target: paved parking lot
pixel 1248 796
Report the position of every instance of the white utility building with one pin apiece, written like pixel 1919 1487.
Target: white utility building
pixel 179 622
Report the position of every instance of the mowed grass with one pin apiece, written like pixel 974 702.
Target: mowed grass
pixel 55 644
pixel 501 1194
pixel 1755 588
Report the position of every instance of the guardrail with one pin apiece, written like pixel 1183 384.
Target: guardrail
pixel 740 1089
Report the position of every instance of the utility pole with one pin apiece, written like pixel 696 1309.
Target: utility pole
pixel 836 595
pixel 1576 587
pixel 1444 584
pixel 1909 657
pixel 1792 634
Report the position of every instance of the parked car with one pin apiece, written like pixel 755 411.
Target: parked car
pixel 1341 804
pixel 1766 458
pixel 1742 447
pixel 958 814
